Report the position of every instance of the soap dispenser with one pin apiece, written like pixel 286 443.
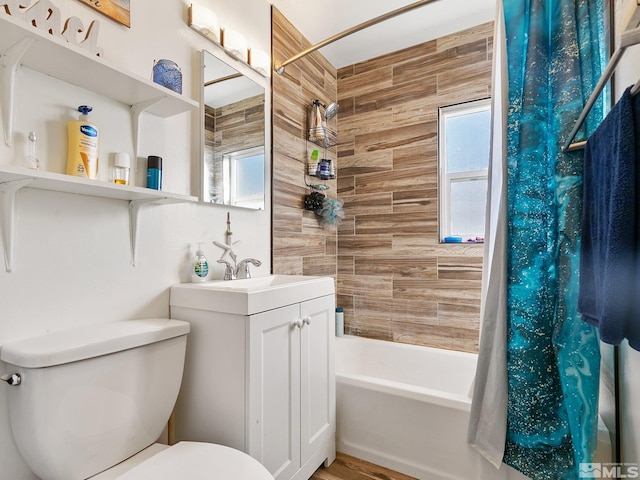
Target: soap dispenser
pixel 199 267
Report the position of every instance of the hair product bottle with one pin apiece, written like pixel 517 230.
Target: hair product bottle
pixel 154 172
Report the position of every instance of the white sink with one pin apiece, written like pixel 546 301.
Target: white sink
pixel 250 295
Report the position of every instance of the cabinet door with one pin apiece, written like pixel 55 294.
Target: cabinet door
pixel 317 376
pixel 274 396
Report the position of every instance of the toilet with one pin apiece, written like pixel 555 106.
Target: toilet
pixel 91 402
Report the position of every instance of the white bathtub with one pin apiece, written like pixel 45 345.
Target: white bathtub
pixel 407 407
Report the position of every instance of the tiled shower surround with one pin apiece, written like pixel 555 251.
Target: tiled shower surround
pixel 300 245
pixel 231 128
pixel 394 279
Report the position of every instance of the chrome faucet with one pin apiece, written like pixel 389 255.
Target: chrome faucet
pixel 236 269
pixel 241 270
pixel 229 271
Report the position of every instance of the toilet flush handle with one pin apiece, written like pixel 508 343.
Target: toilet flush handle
pixel 13 379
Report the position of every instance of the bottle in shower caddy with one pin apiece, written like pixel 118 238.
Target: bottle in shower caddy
pixel 82 159
pixel 313 163
pixel 324 169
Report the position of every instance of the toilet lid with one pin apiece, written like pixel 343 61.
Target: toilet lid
pixel 198 461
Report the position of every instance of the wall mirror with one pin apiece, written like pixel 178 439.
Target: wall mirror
pixel 233 108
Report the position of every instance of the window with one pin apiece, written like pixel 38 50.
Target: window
pixel 243 178
pixel 463 157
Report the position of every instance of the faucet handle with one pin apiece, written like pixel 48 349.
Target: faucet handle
pixel 229 273
pixel 243 267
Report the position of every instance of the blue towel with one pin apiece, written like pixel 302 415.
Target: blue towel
pixel 609 295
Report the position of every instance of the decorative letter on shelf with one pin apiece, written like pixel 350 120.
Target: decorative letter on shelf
pixel 44 15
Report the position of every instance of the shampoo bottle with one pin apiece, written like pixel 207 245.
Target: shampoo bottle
pixel 313 163
pixel 199 267
pixel 82 158
pixel 339 322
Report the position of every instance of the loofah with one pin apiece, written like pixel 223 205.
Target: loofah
pixel 332 212
pixel 314 201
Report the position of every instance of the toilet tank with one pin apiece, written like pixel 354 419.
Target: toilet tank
pixel 93 396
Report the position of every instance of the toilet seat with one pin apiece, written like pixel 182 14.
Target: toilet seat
pixel 197 461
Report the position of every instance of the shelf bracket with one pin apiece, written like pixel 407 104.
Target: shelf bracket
pixel 9 63
pixel 9 192
pixel 136 111
pixel 134 209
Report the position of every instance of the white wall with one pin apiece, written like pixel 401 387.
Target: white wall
pixel 72 263
pixel 628 73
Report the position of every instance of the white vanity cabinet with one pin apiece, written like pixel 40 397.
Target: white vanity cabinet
pixel 262 382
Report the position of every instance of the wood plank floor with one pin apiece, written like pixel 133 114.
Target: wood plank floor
pixel 350 468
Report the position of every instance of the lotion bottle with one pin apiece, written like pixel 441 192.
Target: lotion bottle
pixel 199 267
pixel 82 160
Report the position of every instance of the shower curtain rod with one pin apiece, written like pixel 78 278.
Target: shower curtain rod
pixel 631 36
pixel 223 79
pixel 280 67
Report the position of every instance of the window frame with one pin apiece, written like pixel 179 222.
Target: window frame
pixel 445 180
pixel 230 176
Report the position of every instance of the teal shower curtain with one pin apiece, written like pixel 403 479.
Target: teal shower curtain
pixel 549 374
pixel 555 59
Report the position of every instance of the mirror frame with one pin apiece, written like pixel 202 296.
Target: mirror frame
pixel 247 71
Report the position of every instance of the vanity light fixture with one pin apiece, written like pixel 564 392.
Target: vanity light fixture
pixel 235 44
pixel 205 22
pixel 260 61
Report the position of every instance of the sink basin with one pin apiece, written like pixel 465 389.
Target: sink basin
pixel 260 283
pixel 250 295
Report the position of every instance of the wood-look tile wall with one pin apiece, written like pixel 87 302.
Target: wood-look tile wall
pixel 395 280
pixel 227 129
pixel 300 244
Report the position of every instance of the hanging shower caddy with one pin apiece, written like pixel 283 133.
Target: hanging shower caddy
pixel 318 116
pixel 320 134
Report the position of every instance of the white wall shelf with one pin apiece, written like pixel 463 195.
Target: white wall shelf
pixel 23 44
pixel 13 179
